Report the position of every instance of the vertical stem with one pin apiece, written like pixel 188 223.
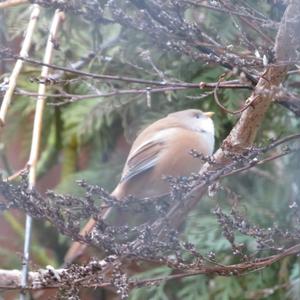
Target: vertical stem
pixel 26 254
pixel 19 64
pixel 36 139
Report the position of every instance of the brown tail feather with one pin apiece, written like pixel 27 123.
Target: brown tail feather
pixel 77 249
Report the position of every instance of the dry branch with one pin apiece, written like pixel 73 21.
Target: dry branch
pixel 91 275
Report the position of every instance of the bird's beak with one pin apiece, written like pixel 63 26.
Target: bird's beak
pixel 209 114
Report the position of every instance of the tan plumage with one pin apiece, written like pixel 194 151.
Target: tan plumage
pixel 162 149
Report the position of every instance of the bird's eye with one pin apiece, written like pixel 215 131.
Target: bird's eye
pixel 197 116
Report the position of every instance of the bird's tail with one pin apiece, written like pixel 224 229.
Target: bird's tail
pixel 77 249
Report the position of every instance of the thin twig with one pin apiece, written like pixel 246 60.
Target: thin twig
pixel 260 162
pixel 282 141
pixel 17 174
pixel 75 97
pixel 235 83
pixel 254 27
pixel 231 12
pixel 235 112
pixel 229 270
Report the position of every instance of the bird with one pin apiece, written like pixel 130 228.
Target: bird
pixel 161 149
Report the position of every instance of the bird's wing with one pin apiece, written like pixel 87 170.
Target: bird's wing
pixel 142 159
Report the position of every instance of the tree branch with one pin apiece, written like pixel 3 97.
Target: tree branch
pixel 91 275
